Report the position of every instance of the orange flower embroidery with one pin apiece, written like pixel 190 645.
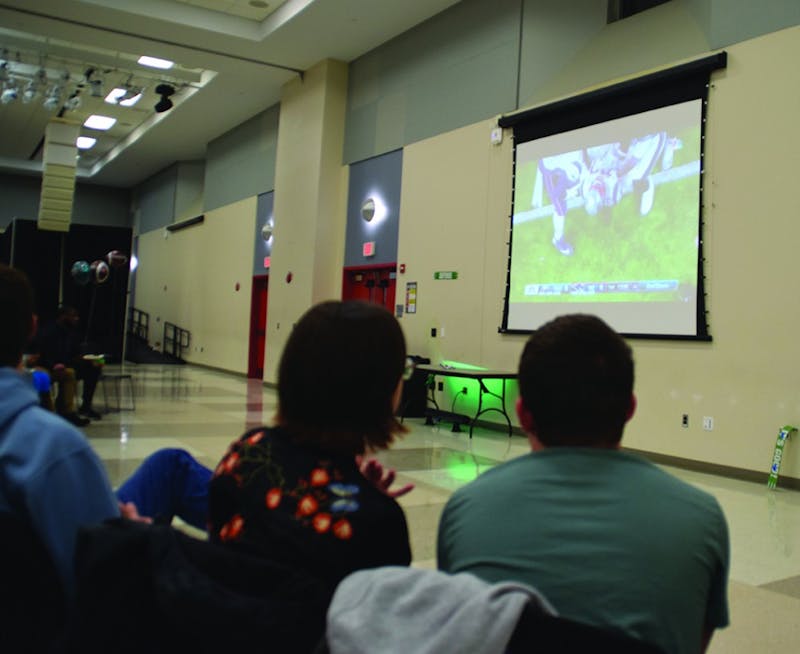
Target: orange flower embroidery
pixel 307 505
pixel 321 522
pixel 273 498
pixel 319 477
pixel 255 438
pixel 342 529
pixel 232 529
pixel 229 463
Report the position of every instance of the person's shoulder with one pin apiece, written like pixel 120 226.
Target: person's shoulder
pixel 48 430
pixel 499 477
pixel 669 485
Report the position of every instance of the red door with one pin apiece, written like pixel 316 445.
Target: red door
pixel 258 327
pixel 371 284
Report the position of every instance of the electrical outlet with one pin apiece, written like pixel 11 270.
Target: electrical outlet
pixel 708 423
pixel 464 390
pixel 685 421
pixel 441 386
pixel 433 332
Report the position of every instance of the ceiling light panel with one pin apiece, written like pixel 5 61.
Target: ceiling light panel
pixel 116 95
pixel 85 142
pixel 95 121
pixel 155 62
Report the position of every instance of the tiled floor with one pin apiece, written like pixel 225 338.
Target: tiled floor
pixel 203 411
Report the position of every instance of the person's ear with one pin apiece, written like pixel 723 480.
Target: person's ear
pixel 631 407
pixel 525 417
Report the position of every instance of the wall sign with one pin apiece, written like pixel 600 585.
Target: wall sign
pixel 411 297
pixel 445 275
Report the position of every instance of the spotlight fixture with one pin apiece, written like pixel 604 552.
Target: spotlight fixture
pixel 267 230
pixel 9 94
pixel 53 99
pixel 95 82
pixel 73 101
pixel 96 88
pixel 35 86
pixel 30 92
pixel 164 104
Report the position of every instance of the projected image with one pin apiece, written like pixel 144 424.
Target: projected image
pixel 609 214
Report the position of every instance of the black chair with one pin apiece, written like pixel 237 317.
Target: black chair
pixel 547 634
pixel 153 588
pixel 32 604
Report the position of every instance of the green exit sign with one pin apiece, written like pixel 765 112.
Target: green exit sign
pixel 445 275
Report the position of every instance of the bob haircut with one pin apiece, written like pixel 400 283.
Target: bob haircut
pixel 576 379
pixel 337 378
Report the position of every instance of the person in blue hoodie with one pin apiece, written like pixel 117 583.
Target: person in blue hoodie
pixel 50 478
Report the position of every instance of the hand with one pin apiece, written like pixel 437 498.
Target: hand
pixel 380 477
pixel 129 511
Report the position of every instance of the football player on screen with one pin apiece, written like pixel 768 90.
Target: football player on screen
pixel 599 176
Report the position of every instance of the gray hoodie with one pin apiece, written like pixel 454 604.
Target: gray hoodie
pixel 400 610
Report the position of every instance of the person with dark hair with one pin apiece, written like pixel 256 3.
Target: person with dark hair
pixel 294 493
pixel 303 493
pixel 57 348
pixel 609 538
pixel 52 481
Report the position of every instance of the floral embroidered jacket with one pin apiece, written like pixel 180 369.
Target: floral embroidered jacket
pixel 303 507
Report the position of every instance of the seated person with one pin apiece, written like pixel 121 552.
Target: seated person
pixel 57 348
pixel 51 478
pixel 300 493
pixel 609 539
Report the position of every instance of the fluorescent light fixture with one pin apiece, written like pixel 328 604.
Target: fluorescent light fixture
pixel 85 142
pixel 131 101
pixel 99 122
pixel 114 97
pixel 155 62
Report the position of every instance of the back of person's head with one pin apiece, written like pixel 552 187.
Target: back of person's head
pixel 16 315
pixel 576 380
pixel 337 377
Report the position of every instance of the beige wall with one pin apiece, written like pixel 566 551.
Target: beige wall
pixel 454 216
pixel 310 202
pixel 190 280
pixel 456 194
